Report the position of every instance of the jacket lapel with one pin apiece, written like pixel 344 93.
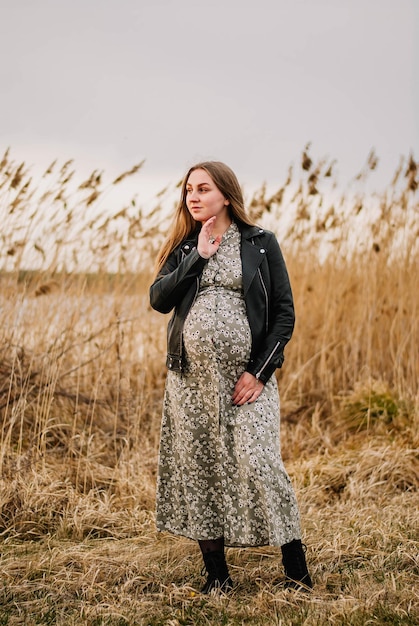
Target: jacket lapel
pixel 252 257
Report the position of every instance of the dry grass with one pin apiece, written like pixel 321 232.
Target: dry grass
pixel 81 383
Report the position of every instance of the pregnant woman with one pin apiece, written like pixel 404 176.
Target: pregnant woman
pixel 221 479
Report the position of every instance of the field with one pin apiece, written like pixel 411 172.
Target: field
pixel 81 383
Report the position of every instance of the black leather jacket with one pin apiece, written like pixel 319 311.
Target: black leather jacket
pixel 267 294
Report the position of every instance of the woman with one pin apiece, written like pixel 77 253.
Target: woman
pixel 221 479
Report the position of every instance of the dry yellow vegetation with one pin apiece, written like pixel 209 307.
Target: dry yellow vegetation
pixel 81 384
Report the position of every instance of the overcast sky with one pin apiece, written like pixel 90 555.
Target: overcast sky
pixel 249 82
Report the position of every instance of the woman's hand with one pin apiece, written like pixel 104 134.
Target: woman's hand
pixel 248 389
pixel 207 244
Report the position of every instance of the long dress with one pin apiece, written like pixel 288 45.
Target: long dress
pixel 220 468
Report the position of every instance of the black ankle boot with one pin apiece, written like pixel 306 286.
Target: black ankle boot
pixel 294 561
pixel 218 575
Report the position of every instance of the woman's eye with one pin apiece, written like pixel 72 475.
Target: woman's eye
pixel 199 190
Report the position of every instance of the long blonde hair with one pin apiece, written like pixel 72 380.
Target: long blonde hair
pixel 184 225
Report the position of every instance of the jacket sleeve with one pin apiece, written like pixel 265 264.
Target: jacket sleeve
pixel 174 279
pixel 270 353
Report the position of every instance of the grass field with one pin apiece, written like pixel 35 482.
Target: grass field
pixel 81 384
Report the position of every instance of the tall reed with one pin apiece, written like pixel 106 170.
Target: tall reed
pixel 81 382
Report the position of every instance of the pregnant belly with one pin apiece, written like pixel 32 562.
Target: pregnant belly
pixel 217 327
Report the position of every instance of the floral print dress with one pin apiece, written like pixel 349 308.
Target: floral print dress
pixel 220 467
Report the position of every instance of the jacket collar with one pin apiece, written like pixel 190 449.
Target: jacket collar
pixel 248 231
pixel 252 254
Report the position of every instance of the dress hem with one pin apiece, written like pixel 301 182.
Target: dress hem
pixel 229 544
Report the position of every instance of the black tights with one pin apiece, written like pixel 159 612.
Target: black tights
pixel 211 545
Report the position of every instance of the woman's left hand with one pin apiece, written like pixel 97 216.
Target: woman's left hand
pixel 248 389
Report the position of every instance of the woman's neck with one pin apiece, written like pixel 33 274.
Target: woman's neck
pixel 221 227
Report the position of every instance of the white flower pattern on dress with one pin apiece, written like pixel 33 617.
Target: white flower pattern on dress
pixel 220 467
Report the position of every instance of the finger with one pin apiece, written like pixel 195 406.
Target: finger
pixel 208 225
pixel 243 395
pixel 247 399
pixel 245 384
pixel 238 396
pixel 207 244
pixel 255 395
pixel 246 393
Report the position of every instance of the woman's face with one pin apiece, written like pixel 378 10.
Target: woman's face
pixel 203 198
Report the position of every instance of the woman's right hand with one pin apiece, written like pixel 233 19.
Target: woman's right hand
pixel 207 243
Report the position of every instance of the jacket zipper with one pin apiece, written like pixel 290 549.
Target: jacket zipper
pixel 266 320
pixel 268 359
pixel 265 292
pixel 266 300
